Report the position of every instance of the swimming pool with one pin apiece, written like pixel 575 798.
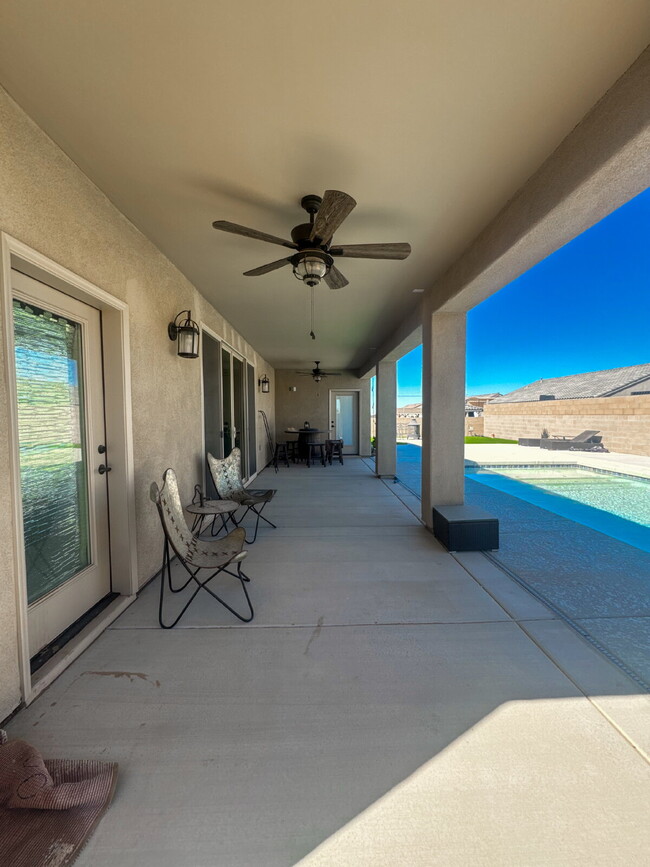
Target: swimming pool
pixel 613 503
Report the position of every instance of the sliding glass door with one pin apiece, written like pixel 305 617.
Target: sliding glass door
pixel 226 403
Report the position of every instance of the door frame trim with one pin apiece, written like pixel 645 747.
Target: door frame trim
pixel 330 418
pixel 119 432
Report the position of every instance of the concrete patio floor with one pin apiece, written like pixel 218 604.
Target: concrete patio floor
pixel 390 704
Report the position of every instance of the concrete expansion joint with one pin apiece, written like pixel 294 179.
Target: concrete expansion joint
pixel 561 615
pixel 586 638
pixel 319 625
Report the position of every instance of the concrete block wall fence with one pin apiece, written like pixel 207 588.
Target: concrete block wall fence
pixel 623 422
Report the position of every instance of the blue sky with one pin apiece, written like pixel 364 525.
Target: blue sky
pixel 586 307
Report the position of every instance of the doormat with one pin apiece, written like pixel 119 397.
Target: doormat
pixel 48 807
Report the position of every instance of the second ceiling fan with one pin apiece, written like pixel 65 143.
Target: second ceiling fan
pixel 316 373
pixel 312 241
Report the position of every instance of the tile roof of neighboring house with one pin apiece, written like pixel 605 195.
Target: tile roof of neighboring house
pixel 414 408
pixel 599 383
pixel 482 396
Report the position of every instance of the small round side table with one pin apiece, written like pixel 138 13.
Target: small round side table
pixel 212 509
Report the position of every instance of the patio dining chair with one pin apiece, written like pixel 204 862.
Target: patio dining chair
pixel 195 554
pixel 226 475
pixel 334 449
pixel 281 450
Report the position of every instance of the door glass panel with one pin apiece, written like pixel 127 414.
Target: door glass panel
pixel 238 406
pixel 252 443
pixel 226 392
pixel 345 418
pixel 211 360
pixel 52 441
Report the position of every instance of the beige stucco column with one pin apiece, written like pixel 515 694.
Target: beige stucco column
pixel 443 410
pixel 386 418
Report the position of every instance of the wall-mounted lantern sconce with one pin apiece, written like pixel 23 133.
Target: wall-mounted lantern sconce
pixel 264 384
pixel 187 334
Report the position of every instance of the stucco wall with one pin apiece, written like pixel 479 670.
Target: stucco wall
pixel 310 402
pixel 46 202
pixel 623 422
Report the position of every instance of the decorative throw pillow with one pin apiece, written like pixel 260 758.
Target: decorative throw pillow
pixel 23 775
pixel 26 783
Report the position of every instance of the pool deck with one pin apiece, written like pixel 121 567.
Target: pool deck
pixel 409 465
pixel 599 583
pixel 505 453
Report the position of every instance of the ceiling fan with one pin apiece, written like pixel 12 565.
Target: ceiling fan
pixel 314 259
pixel 317 373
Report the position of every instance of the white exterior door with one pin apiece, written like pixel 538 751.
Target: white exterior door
pixel 344 419
pixel 63 460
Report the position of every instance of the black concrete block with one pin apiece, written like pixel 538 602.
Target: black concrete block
pixel 465 528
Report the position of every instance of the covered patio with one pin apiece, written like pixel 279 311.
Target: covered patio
pixel 390 704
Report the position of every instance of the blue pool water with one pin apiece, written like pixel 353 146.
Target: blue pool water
pixel 614 504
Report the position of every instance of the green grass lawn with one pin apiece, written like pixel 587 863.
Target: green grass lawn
pixel 488 440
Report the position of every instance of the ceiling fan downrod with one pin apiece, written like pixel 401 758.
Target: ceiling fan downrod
pixel 311 204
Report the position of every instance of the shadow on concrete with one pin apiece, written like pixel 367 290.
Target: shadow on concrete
pixel 451 740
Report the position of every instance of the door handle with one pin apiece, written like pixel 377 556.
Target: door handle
pixel 102 468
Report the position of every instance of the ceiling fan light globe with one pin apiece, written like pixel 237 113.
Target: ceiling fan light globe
pixel 310 268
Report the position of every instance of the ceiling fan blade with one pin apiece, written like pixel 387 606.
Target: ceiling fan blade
pixel 372 251
pixel 327 373
pixel 334 208
pixel 235 229
pixel 264 269
pixel 334 278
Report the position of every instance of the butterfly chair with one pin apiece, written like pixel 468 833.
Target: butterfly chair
pixel 194 553
pixel 226 475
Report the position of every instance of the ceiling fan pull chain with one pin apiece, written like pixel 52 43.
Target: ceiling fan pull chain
pixel 311 333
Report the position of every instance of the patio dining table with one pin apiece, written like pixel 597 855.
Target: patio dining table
pixel 305 437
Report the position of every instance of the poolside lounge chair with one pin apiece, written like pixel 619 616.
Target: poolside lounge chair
pixel 587 441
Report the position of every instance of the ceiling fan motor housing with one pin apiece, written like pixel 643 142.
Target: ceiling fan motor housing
pixel 312 261
pixel 300 235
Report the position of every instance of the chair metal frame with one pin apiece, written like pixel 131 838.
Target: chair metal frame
pixel 227 479
pixel 194 553
pixel 279 449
